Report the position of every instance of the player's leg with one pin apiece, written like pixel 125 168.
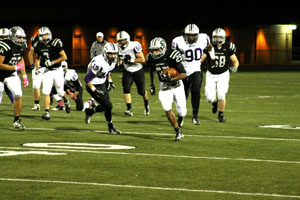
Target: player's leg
pixel 127 81
pixel 13 83
pixel 37 78
pixel 139 79
pixel 222 89
pixel 196 82
pixel 59 86
pixel 47 87
pixel 210 90
pixel 180 103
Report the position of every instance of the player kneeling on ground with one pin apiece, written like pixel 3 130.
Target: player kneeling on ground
pixel 171 88
pixel 98 69
pixel 217 75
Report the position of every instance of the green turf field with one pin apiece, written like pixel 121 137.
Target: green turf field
pixel 238 159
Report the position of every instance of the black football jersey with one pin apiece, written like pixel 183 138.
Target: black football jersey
pixel 222 61
pixel 171 59
pixel 49 51
pixel 13 55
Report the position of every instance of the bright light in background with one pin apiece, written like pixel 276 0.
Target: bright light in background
pixel 293 27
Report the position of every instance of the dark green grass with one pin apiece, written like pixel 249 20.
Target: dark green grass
pixel 216 153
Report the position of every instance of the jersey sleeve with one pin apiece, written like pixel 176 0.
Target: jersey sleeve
pixel 177 59
pixel 138 47
pixel 231 49
pixel 4 48
pixel 57 44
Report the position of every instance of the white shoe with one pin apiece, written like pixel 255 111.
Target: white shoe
pixel 129 113
pixel 18 125
pixel 147 111
pixel 36 107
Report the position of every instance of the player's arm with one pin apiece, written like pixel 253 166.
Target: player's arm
pixel 23 72
pixel 88 80
pixel 140 58
pixel 182 73
pixel 63 57
pixel 234 60
pixel 204 56
pixel 3 66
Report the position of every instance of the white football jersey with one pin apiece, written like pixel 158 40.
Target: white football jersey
pixel 132 48
pixel 191 53
pixel 101 68
pixel 71 75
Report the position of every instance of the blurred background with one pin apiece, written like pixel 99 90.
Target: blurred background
pixel 266 37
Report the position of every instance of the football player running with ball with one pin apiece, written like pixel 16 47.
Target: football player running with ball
pixel 98 69
pixel 191 45
pixel 50 53
pixel 171 88
pixel 217 76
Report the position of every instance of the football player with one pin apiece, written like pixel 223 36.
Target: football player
pixel 171 89
pixel 72 87
pixel 98 69
pixel 49 52
pixel 191 45
pixel 132 57
pixel 12 53
pixel 217 76
pixel 4 35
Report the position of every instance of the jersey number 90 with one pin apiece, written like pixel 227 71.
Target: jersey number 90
pixel 193 54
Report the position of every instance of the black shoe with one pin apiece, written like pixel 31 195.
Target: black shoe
pixel 214 109
pixel 88 115
pixel 179 135
pixel 113 130
pixel 46 116
pixel 221 118
pixel 195 121
pixel 68 107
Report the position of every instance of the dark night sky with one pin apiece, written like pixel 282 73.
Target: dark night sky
pixel 149 14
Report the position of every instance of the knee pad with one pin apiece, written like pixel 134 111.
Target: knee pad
pixel 210 98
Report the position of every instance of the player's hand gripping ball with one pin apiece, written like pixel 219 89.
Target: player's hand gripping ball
pixel 172 71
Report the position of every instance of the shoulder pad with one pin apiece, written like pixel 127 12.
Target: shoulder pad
pixel 175 55
pixel 56 43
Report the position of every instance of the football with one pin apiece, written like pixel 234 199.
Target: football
pixel 172 71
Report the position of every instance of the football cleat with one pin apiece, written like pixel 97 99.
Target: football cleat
pixel 18 126
pixel 147 111
pixel 221 118
pixel 179 135
pixel 129 113
pixel 195 121
pixel 113 130
pixel 180 121
pixel 36 107
pixel 88 115
pixel 68 107
pixel 58 107
pixel 214 109
pixel 46 116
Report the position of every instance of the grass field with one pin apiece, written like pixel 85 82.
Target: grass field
pixel 238 159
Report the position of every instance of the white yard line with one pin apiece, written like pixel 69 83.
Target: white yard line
pixel 155 155
pixel 169 134
pixel 150 187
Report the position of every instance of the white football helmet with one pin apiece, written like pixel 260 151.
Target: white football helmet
pixel 123 39
pixel 191 33
pixel 17 35
pixel 110 51
pixel 160 44
pixel 218 36
pixel 45 34
pixel 4 33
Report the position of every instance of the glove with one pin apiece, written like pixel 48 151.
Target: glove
pixel 25 81
pixel 152 90
pixel 128 59
pixel 48 63
pixel 32 66
pixel 19 66
pixel 111 86
pixel 98 93
pixel 233 69
pixel 166 77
